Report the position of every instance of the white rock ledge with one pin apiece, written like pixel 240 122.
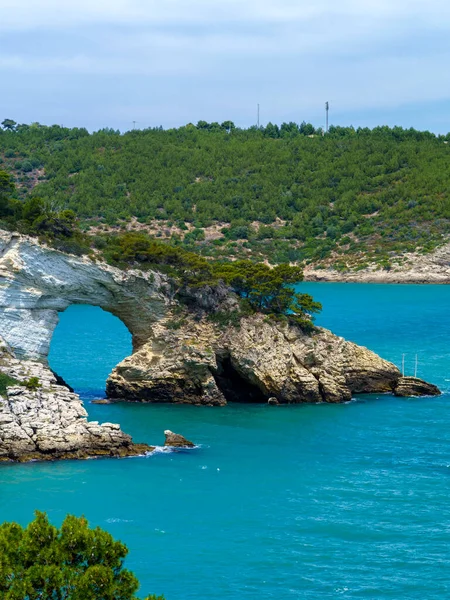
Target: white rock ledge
pixel 51 422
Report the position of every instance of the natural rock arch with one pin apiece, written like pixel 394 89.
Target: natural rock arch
pixel 37 282
pixel 190 363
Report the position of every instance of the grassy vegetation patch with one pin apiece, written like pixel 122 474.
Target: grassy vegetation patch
pixel 5 381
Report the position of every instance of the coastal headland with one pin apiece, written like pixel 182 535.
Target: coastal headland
pixel 180 355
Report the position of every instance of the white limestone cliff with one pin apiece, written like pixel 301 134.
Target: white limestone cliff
pixel 37 282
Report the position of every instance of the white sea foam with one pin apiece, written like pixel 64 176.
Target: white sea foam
pixel 169 450
pixel 160 450
pixel 114 520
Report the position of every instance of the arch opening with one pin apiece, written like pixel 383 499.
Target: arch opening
pixel 86 345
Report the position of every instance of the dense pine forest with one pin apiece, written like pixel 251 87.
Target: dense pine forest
pixel 284 193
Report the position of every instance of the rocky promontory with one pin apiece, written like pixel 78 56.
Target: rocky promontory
pixel 181 354
pixel 261 359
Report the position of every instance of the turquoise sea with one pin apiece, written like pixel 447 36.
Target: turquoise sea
pixel 310 502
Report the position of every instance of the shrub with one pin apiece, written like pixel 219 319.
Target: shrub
pixel 32 384
pixel 175 324
pixel 226 318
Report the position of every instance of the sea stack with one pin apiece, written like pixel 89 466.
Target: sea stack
pixel 175 440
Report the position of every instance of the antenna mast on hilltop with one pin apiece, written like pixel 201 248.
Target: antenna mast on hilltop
pixel 257 118
pixel 327 108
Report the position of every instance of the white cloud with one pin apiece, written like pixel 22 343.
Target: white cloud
pixel 32 14
pixel 226 54
pixel 86 65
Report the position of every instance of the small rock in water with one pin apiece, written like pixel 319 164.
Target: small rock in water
pixel 412 386
pixel 273 401
pixel 176 441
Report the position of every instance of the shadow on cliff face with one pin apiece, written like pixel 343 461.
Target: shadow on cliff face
pixel 234 386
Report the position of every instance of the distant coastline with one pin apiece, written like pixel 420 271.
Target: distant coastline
pixel 433 268
pixel 330 276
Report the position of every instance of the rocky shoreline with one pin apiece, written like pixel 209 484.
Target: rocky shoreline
pixel 49 422
pixel 433 268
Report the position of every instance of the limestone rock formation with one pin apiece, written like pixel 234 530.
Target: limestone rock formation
pixel 37 282
pixel 200 363
pixel 175 440
pixel 174 366
pixel 176 358
pixel 411 386
pixel 50 422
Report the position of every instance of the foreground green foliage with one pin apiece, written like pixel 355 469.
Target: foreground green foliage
pixel 274 192
pixel 75 562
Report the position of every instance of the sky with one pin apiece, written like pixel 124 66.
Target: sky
pixel 107 63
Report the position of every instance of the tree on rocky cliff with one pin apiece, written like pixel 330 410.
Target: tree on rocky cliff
pixel 74 562
pixel 269 290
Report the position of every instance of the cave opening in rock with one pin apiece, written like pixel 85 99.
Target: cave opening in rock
pixel 87 344
pixel 234 386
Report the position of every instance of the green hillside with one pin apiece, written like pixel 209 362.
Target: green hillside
pixel 287 193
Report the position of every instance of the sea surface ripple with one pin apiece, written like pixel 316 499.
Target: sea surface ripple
pixel 310 502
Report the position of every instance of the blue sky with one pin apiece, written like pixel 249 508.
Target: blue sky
pixel 102 63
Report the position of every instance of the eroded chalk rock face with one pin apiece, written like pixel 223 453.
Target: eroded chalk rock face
pixel 200 363
pixel 37 282
pixel 175 366
pixel 50 422
pixel 412 386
